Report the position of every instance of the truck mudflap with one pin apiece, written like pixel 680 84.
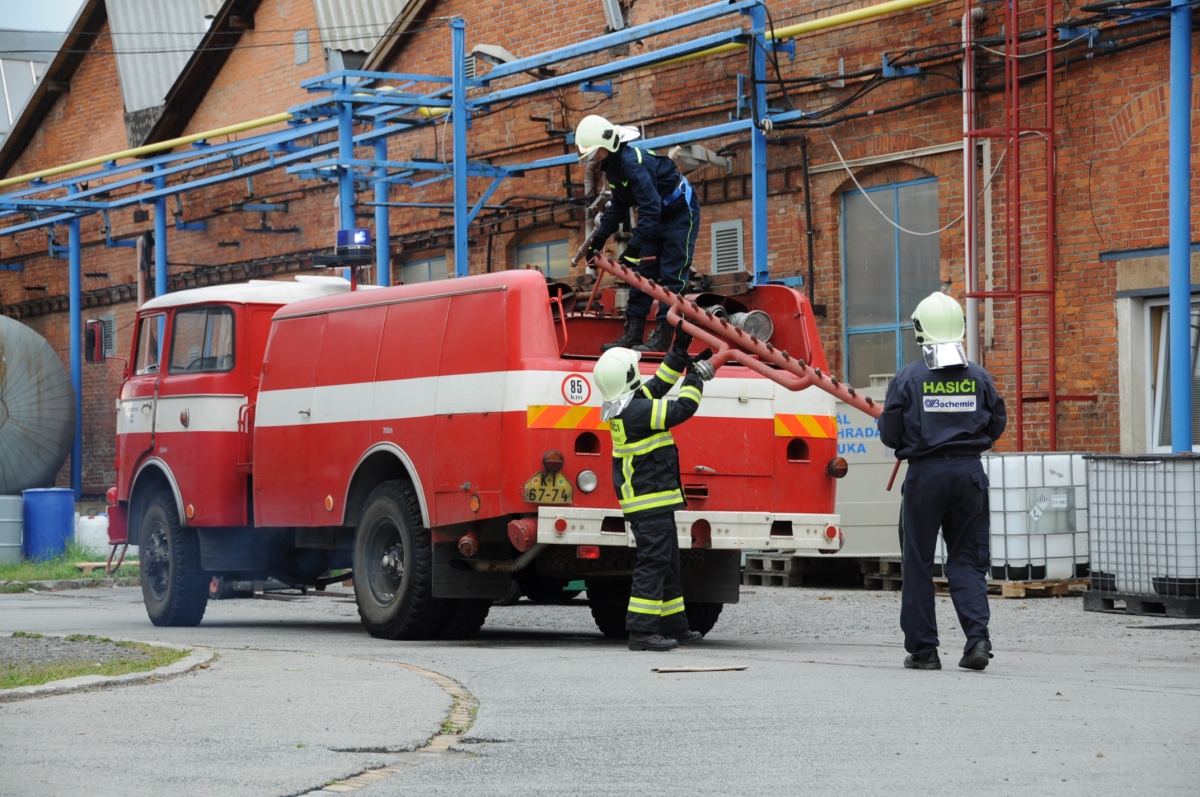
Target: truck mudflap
pixel 564 525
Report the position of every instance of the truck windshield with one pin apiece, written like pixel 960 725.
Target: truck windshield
pixel 202 341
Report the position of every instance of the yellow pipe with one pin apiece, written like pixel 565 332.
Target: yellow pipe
pixel 791 31
pixel 148 149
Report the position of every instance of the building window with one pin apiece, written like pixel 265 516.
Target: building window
pixel 553 259
pixel 1160 374
pixel 887 272
pixel 728 249
pixel 423 271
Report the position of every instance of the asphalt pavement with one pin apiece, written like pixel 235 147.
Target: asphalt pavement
pixel 301 696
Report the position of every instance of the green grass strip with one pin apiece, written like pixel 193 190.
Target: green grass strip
pixel 60 568
pixel 14 675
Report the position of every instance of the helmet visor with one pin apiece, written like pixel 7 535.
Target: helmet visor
pixel 611 409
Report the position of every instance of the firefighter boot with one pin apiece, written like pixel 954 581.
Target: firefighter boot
pixel 634 328
pixel 651 642
pixel 660 339
pixel 684 637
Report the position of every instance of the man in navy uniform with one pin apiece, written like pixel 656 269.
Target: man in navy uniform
pixel 940 414
pixel 667 224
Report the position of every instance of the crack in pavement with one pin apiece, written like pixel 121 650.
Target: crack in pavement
pixel 458 721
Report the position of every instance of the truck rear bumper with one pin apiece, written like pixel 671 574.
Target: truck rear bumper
pixel 719 530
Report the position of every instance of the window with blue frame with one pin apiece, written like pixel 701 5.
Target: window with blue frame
pixel 423 270
pixel 887 272
pixel 552 258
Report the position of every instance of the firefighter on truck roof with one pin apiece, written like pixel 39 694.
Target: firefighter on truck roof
pixel 667 226
pixel 941 413
pixel 646 478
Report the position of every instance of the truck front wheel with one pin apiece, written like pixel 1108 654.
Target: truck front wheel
pixel 174 587
pixel 393 566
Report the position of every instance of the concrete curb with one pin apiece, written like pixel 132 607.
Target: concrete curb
pixel 198 658
pixel 74 583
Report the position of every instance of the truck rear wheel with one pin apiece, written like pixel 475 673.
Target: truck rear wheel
pixel 174 587
pixel 609 601
pixel 464 617
pixel 703 616
pixel 393 567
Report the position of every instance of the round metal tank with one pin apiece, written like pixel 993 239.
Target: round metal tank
pixel 37 409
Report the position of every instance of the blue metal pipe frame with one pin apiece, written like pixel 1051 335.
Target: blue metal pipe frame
pixel 75 305
pixel 458 115
pixel 383 244
pixel 1180 224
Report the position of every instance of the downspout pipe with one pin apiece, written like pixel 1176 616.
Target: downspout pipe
pixel 75 303
pixel 970 227
pixel 1180 202
pixel 808 226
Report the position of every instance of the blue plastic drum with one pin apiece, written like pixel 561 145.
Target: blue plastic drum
pixel 49 515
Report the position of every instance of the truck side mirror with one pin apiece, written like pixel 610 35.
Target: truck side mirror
pixel 93 341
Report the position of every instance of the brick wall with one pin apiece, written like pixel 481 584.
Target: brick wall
pixel 1111 188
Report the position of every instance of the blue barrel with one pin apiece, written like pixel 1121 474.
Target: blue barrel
pixel 49 515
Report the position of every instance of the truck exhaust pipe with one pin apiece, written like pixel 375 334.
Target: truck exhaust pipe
pixel 511 566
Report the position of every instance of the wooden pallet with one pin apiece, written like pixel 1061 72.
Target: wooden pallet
pixel 878 567
pixel 87 567
pixel 768 578
pixel 885 582
pixel 777 563
pixel 1025 589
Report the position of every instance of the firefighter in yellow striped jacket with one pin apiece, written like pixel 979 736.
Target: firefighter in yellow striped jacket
pixel 646 478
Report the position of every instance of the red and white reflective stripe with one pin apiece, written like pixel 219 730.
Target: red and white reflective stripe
pixel 204 413
pixel 505 391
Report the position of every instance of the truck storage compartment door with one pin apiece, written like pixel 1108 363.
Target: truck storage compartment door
pixel 343 404
pixel 469 406
pixel 731 434
pixel 283 422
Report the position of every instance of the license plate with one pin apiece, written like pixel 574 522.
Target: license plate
pixel 549 488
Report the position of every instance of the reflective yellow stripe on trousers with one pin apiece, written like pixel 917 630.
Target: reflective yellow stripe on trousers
pixel 673 606
pixel 645 606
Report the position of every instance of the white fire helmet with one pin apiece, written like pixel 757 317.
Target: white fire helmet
pixel 617 375
pixel 594 132
pixel 939 328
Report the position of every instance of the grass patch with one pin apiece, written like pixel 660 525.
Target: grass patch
pixel 14 675
pixel 59 568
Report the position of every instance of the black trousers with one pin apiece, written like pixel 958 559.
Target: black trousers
pixel 950 494
pixel 674 253
pixel 656 599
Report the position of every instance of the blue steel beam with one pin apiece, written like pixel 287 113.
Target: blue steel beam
pixel 383 243
pixel 160 242
pixel 491 189
pixel 1180 238
pixel 608 69
pixel 75 305
pixel 758 146
pixel 458 116
pixel 628 35
pixel 345 173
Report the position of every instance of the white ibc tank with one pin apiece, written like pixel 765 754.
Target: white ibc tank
pixel 91 534
pixel 1039 517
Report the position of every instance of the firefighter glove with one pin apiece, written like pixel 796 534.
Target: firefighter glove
pixel 632 256
pixel 595 246
pixel 682 340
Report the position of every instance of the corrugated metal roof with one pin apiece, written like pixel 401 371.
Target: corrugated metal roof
pixel 154 41
pixel 355 24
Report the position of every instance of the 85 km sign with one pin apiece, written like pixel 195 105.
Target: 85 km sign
pixel 576 389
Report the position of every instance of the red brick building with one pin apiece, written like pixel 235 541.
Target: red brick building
pixel 900 135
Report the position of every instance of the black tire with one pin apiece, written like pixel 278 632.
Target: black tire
pixel 174 587
pixel 514 596
pixel 703 616
pixel 464 617
pixel 393 567
pixel 609 602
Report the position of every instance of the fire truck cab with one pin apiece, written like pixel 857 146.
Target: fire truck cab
pixel 439 440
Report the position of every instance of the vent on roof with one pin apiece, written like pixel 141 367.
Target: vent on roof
pixel 613 15
pixel 727 247
pixel 300 43
pixel 469 66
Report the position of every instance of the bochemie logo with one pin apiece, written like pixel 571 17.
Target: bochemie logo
pixel 935 404
pixel 948 388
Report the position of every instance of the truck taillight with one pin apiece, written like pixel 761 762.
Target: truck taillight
pixel 837 468
pixel 831 532
pixel 552 461
pixel 588 552
pixel 111 496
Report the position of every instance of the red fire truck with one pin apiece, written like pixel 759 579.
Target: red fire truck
pixel 439 440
